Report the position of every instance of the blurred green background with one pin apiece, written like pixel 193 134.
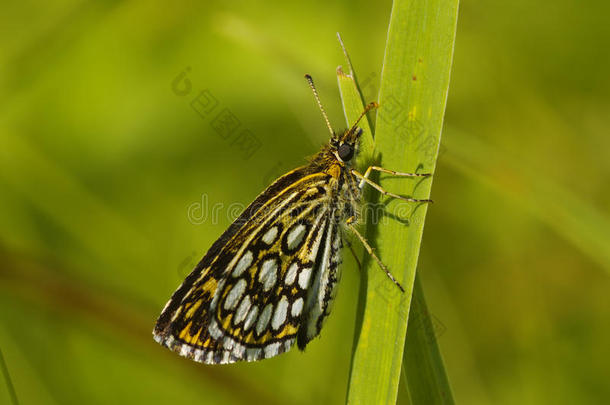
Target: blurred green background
pixel 101 158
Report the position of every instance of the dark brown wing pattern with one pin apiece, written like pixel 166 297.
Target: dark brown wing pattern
pixel 248 297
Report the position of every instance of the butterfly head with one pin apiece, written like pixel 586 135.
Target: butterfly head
pixel 344 146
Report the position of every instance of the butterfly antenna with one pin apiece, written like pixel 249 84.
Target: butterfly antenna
pixel 368 108
pixel 315 94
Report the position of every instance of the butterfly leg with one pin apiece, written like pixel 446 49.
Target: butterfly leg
pixel 394 172
pixel 370 251
pixel 364 179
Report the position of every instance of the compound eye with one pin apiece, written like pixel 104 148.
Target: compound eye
pixel 345 152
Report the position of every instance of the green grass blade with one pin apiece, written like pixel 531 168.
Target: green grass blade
pixel 426 380
pixel 413 94
pixel 352 107
pixel 423 365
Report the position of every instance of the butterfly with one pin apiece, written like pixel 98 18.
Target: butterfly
pixel 270 279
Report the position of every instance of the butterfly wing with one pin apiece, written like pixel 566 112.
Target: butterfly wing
pixel 248 297
pixel 322 292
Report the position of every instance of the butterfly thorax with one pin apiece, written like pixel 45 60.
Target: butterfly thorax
pixel 342 183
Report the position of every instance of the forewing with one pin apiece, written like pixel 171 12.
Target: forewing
pixel 245 299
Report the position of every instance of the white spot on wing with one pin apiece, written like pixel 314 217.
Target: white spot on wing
pixel 304 278
pixel 238 351
pixel 185 350
pixel 235 294
pixel 227 343
pixel 291 273
pixel 169 342
pixel 295 236
pixel 272 349
pixel 253 354
pixel 263 320
pixel 270 235
pixel 279 316
pixel 243 264
pixel 251 317
pixel 268 274
pixel 214 330
pixel 297 307
pixel 242 310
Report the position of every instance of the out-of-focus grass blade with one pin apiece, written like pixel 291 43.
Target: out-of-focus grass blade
pixel 414 85
pixel 574 218
pixel 7 380
pixel 423 367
